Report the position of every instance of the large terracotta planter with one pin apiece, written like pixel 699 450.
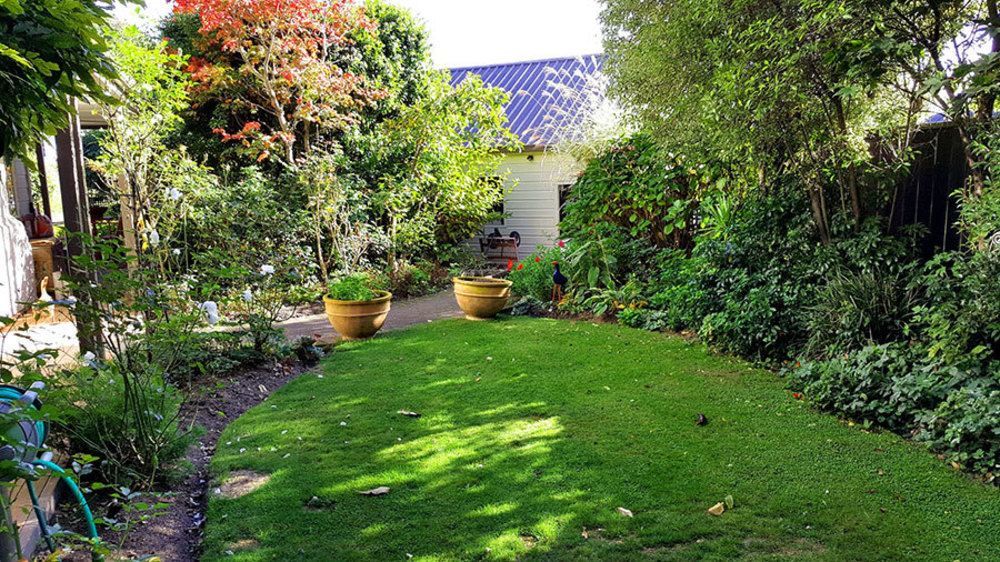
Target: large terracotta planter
pixel 356 320
pixel 481 298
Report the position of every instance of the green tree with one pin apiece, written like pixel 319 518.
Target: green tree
pixel 794 89
pixel 150 179
pixel 50 51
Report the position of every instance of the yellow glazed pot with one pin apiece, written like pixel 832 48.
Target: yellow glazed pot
pixel 481 298
pixel 355 320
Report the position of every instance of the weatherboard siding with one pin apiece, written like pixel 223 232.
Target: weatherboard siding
pixel 532 199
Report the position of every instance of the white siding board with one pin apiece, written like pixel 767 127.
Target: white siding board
pixel 532 197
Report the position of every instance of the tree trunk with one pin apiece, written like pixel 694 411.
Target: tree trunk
pixel 819 214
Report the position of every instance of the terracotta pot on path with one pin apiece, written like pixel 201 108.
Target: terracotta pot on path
pixel 481 298
pixel 355 320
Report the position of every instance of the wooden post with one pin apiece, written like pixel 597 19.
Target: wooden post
pixel 72 183
pixel 76 216
pixel 43 181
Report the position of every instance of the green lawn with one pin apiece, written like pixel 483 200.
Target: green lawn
pixel 535 430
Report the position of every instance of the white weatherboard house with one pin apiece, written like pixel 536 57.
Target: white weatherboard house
pixel 538 179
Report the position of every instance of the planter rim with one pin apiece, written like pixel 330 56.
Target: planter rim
pixel 383 297
pixel 483 281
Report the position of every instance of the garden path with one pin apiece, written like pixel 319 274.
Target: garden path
pixel 403 314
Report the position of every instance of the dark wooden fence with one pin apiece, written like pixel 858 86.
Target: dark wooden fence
pixel 927 197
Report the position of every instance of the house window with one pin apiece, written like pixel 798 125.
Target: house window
pixel 564 189
pixel 496 182
pixel 499 209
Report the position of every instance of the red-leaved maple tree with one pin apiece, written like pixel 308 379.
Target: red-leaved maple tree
pixel 271 63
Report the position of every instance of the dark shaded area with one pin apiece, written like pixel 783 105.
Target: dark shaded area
pixel 928 197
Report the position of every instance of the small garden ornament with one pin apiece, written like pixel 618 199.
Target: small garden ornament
pixel 558 284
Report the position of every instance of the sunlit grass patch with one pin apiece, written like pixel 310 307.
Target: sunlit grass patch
pixel 531 435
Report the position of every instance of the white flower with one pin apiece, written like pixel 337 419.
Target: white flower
pixel 176 251
pixel 211 310
pixel 267 269
pixel 174 193
pixel 154 238
pixel 247 295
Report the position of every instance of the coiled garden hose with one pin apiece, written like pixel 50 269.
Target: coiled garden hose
pixel 31 434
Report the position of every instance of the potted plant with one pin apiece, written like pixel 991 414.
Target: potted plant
pixel 356 309
pixel 481 298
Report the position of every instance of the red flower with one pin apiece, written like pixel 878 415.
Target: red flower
pixel 510 265
pixel 538 259
pixel 797 395
pixel 561 243
pixel 520 266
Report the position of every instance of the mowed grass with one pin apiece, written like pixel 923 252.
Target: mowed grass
pixel 534 432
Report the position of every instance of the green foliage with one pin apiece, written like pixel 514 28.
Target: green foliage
pixel 636 189
pixel 266 228
pixel 959 313
pixel 128 419
pixel 759 283
pixel 50 51
pixel 612 300
pixel 953 407
pixel 430 171
pixel 394 56
pixel 122 408
pixel 979 215
pixel 796 87
pixel 416 279
pixel 677 294
pixel 355 287
pixel 532 276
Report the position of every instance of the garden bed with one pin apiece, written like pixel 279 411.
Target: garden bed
pixel 176 535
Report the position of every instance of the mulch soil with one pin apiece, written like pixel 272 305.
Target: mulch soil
pixel 175 535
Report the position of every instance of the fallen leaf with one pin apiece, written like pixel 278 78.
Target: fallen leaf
pixel 380 491
pixel 729 502
pixel 717 509
pixel 624 512
pixel 409 414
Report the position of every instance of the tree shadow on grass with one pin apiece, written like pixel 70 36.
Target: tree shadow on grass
pixel 487 471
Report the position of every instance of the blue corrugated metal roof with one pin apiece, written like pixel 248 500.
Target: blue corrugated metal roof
pixel 537 96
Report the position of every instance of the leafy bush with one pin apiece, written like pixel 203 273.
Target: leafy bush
pixel 355 287
pixel 416 279
pixel 758 283
pixel 122 408
pixel 637 189
pixel 610 301
pixel 861 385
pixel 645 319
pixel 129 420
pixel 953 407
pixel 532 276
pixel 676 291
pixel 960 310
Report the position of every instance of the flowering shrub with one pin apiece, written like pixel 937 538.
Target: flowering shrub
pixel 532 276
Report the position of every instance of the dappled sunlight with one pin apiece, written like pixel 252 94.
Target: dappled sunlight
pixel 533 457
pixel 492 442
pixel 493 509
